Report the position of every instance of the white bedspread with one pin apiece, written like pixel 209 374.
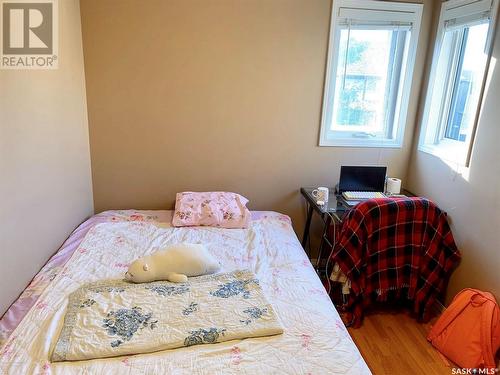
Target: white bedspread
pixel 314 340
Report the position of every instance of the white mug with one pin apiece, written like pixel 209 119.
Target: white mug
pixel 321 194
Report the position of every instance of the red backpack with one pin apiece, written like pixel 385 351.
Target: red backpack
pixel 468 332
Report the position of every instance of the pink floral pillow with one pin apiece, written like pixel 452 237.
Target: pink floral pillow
pixel 215 209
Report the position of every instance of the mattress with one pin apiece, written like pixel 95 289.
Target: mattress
pixel 314 340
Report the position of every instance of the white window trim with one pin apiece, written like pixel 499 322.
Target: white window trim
pixel 455 10
pixel 375 11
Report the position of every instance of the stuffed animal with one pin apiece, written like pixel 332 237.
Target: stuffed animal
pixel 173 263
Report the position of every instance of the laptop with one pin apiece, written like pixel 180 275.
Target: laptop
pixel 362 182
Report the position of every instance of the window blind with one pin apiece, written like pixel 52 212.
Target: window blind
pixel 356 16
pixel 466 13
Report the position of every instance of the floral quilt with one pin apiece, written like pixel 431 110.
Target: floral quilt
pixel 114 318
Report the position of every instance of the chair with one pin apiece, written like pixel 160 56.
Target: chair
pixel 393 249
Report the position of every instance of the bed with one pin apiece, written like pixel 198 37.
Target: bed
pixel 314 341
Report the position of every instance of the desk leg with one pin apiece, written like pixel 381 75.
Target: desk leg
pixel 324 242
pixel 305 236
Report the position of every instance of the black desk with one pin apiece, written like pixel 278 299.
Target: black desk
pixel 331 213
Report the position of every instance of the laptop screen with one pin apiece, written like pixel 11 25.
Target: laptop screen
pixel 362 178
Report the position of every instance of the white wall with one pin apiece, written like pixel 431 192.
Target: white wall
pixel 470 196
pixel 45 180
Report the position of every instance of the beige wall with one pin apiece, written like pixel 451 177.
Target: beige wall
pixel 45 188
pixel 471 196
pixel 214 95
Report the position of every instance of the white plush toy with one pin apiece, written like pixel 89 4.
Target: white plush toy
pixel 173 263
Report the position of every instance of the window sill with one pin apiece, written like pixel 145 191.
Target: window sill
pixel 361 143
pixel 447 151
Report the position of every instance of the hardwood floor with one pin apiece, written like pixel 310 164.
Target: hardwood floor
pixel 395 343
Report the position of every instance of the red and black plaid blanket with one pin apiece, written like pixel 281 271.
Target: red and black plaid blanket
pixel 400 247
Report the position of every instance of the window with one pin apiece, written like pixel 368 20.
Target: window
pixel 457 78
pixel 370 66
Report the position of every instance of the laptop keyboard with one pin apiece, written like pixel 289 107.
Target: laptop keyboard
pixel 361 195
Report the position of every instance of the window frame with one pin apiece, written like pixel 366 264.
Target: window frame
pixel 371 13
pixel 461 14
